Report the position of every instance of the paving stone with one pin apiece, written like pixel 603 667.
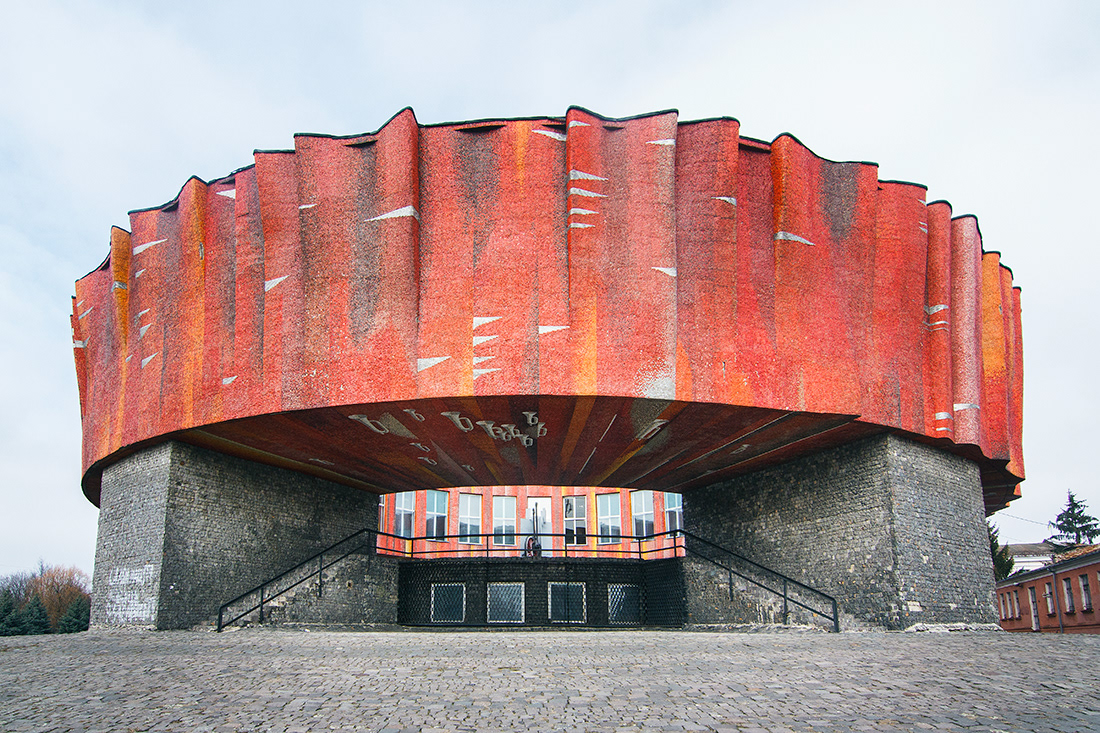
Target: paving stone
pixel 279 681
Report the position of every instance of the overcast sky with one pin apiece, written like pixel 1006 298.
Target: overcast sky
pixel 107 107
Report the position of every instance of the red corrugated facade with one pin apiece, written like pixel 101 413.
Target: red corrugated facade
pixel 562 301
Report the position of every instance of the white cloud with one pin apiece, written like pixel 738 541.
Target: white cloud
pixel 111 106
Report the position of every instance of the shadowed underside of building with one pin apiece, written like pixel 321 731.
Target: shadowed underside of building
pixel 827 366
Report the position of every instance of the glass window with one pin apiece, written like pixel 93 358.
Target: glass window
pixel 1086 594
pixel 567 602
pixel 504 520
pixel 1004 612
pixel 1016 603
pixel 505 603
pixel 674 512
pixel 607 512
pixel 1049 595
pixel 435 524
pixel 641 509
pixel 469 518
pixel 1067 586
pixel 404 506
pixel 624 604
pixel 448 603
pixel 575 512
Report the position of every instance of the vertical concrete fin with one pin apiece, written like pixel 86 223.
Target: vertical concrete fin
pixel 707 194
pixel 283 299
pixel 897 309
pixel 625 264
pixel 938 317
pixel 966 328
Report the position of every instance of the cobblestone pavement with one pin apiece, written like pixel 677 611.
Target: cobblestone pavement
pixel 270 680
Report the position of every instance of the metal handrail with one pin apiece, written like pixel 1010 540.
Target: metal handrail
pixel 371 537
pixel 834 617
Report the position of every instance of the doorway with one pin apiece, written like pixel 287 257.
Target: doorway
pixel 536 527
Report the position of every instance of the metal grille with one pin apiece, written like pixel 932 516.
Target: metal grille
pixel 624 604
pixel 505 603
pixel 448 603
pixel 567 603
pixel 542 592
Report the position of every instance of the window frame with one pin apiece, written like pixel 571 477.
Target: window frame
pixel 550 601
pixel 614 535
pixel 465 536
pixel 402 512
pixel 571 523
pixel 1086 592
pixel 501 535
pixel 489 604
pixel 638 519
pixel 675 511
pixel 431 608
pixel 432 514
pixel 1067 589
pixel 1049 596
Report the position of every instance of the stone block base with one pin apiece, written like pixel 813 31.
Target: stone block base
pixel 183 530
pixel 894 529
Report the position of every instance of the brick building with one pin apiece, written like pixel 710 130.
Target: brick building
pixel 576 521
pixel 1059 598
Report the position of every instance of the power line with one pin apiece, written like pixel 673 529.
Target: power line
pixel 1013 516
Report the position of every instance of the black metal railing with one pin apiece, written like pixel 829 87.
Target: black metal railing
pixel 791 591
pixel 572 545
pixel 254 600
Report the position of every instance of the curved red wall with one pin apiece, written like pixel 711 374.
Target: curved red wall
pixel 642 258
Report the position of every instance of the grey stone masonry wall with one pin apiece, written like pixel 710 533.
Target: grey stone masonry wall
pixel 183 530
pixel 360 589
pixel 126 578
pixel 894 529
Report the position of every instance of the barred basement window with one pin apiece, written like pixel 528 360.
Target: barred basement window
pixel 505 603
pixel 567 603
pixel 448 603
pixel 624 604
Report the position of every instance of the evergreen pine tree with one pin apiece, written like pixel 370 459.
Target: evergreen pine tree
pixel 1002 561
pixel 35 618
pixel 75 617
pixel 11 620
pixel 1074 525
